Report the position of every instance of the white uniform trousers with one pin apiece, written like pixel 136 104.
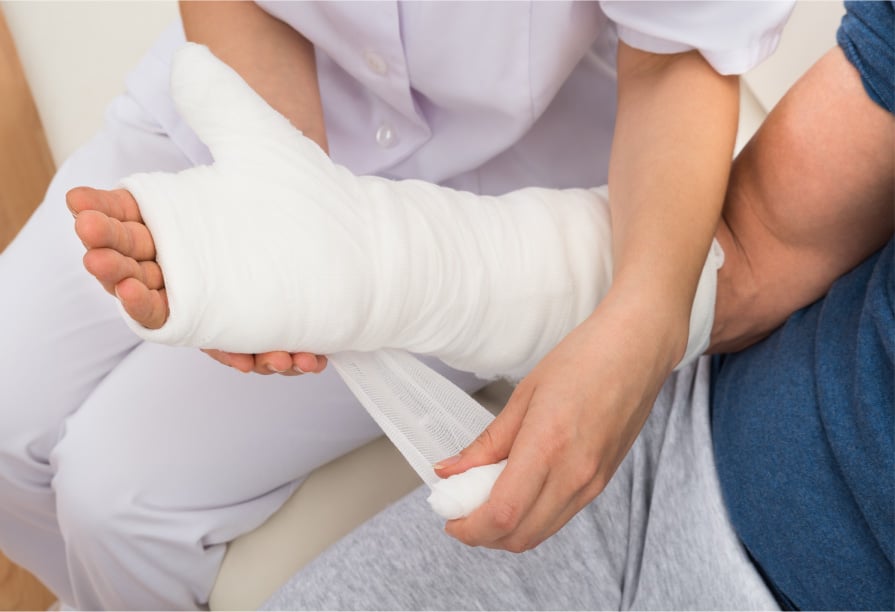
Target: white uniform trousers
pixel 126 467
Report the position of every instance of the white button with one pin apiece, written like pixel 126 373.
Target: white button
pixel 375 62
pixel 386 136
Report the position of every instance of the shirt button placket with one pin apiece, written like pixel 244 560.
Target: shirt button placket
pixel 386 137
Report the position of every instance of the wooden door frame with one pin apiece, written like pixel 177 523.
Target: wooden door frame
pixel 26 167
pixel 26 164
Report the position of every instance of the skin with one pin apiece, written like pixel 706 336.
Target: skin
pixel 808 199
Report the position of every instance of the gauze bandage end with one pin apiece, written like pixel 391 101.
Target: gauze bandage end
pixel 458 495
pixel 427 418
pixel 275 247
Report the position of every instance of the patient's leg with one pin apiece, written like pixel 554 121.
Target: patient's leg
pixel 274 247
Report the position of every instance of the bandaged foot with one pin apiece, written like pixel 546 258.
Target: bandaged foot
pixel 275 247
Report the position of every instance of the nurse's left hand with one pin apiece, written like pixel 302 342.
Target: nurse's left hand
pixel 569 425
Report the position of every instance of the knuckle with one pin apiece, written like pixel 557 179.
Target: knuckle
pixel 558 438
pixel 582 474
pixel 485 442
pixel 595 487
pixel 459 534
pixel 518 545
pixel 467 540
pixel 554 446
pixel 523 390
pixel 506 516
pixel 486 439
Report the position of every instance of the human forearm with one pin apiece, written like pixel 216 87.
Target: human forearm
pixel 810 197
pixel 670 159
pixel 275 60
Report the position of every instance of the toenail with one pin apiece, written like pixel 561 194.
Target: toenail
pixel 274 369
pixel 298 369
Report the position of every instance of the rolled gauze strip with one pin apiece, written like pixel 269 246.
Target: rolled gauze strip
pixel 458 495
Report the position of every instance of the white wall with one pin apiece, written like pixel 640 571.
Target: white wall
pixel 810 32
pixel 76 55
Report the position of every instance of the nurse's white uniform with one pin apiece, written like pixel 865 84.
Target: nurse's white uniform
pixel 126 467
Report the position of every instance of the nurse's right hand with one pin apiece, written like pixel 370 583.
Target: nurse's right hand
pixel 275 362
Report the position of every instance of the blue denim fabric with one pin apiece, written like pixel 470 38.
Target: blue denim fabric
pixel 803 424
pixel 804 438
pixel 867 36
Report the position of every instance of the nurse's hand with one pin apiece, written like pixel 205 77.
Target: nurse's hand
pixel 569 425
pixel 275 362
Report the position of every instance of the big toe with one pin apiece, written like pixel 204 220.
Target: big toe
pixel 117 203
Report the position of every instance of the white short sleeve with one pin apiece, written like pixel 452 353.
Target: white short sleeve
pixel 733 36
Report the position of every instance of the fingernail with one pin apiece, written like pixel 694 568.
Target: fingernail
pixel 446 462
pixel 298 369
pixel 271 368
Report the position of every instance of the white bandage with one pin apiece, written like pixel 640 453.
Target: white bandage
pixel 457 496
pixel 275 247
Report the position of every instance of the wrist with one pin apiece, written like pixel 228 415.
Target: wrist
pixel 660 333
pixel 670 305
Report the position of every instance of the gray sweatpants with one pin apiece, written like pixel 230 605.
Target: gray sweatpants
pixel 658 537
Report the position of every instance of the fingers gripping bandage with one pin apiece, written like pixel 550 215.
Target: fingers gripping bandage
pixel 426 417
pixel 275 247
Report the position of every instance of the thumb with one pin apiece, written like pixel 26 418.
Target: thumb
pixel 494 443
pixel 224 111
